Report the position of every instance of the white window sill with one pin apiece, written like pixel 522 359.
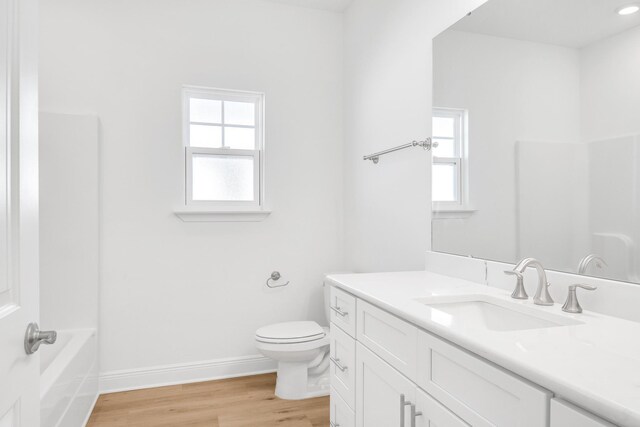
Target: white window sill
pixel 452 212
pixel 189 214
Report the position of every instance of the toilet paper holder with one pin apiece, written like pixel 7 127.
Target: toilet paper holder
pixel 275 276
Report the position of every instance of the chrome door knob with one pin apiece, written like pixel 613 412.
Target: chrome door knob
pixel 34 337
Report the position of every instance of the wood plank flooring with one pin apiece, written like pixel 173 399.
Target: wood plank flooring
pixel 236 402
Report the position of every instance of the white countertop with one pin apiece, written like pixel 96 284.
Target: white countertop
pixel 595 365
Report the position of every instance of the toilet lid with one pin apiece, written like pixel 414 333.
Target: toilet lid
pixel 290 332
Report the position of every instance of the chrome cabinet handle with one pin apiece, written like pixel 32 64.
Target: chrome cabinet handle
pixel 34 337
pixel 339 312
pixel 414 415
pixel 403 402
pixel 338 364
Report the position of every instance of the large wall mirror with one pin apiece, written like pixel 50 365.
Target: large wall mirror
pixel 537 106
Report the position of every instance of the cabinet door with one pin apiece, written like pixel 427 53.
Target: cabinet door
pixel 433 414
pixel 383 395
pixel 564 414
pixel 341 414
pixel 482 394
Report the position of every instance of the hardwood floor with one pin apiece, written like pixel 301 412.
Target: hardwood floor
pixel 236 402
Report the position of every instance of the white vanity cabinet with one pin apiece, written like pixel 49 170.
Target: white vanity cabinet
pixel 386 372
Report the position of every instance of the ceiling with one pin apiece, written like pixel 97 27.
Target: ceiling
pixel 331 5
pixel 570 23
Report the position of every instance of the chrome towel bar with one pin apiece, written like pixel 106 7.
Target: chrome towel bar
pixel 427 144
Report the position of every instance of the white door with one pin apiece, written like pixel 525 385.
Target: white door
pixel 19 372
pixel 383 395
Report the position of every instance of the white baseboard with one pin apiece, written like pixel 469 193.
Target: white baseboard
pixel 158 376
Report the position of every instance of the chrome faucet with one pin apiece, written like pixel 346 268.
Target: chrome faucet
pixel 584 263
pixel 542 296
pixel 572 305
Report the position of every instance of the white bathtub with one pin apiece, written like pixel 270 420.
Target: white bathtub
pixel 69 379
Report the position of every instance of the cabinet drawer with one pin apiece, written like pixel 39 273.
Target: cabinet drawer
pixel 340 413
pixel 343 364
pixel 564 414
pixel 433 414
pixel 477 391
pixel 392 339
pixel 343 310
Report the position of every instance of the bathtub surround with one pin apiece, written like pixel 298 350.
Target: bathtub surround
pixel 165 283
pixel 69 221
pixel 69 266
pixel 69 379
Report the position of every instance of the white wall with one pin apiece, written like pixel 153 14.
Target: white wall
pixel 610 87
pixel 514 91
pixel 174 292
pixel 69 221
pixel 388 103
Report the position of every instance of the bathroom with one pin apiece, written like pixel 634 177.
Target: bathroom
pixel 301 213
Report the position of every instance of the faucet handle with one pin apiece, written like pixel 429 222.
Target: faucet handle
pixel 572 305
pixel 580 285
pixel 519 292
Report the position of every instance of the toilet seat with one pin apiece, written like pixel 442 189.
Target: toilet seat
pixel 291 333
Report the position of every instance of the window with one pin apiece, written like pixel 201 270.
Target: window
pixel 223 138
pixel 449 173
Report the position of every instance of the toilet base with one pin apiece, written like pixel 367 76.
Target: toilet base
pixel 294 382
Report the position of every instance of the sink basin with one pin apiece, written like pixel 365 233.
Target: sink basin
pixel 487 312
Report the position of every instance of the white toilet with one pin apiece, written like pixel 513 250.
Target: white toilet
pixel 302 351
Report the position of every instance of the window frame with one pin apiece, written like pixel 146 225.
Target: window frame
pixel 460 161
pixel 257 98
